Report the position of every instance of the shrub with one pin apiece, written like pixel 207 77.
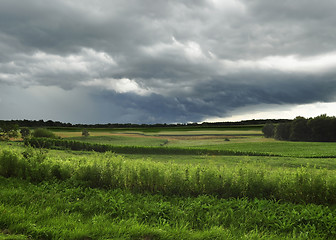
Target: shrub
pixel 8 131
pixel 85 133
pixel 25 132
pixel 43 133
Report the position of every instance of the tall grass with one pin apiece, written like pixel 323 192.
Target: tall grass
pixel 110 171
pixel 64 211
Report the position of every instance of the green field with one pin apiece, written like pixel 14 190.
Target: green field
pixel 64 194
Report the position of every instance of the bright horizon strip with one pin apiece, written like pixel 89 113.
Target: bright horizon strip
pixel 278 112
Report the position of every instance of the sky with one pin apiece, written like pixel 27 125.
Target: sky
pixel 166 61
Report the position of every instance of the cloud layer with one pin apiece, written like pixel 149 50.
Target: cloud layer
pixel 162 61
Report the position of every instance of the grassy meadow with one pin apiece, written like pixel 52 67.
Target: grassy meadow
pixel 66 194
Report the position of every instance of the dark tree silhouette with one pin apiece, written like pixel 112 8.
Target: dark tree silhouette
pixel 282 131
pixel 300 130
pixel 268 130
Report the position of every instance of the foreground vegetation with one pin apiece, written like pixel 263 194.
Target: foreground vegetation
pixel 112 171
pixel 65 211
pixel 247 187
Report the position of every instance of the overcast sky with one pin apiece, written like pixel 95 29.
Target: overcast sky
pixel 156 61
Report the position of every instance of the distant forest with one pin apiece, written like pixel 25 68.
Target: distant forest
pixel 318 129
pixel 50 123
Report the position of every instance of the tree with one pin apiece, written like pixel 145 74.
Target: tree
pixel 321 128
pixel 300 130
pixel 25 132
pixel 333 129
pixel 282 131
pixel 85 133
pixel 8 130
pixel 268 130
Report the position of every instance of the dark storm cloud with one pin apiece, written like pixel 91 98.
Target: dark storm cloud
pixel 202 103
pixel 167 61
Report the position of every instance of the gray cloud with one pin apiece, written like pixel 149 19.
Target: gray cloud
pixel 164 61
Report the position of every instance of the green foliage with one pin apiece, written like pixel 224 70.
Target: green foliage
pixel 43 133
pixel 8 130
pixel 32 165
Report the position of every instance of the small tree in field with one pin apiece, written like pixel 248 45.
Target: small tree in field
pixel 85 133
pixel 8 130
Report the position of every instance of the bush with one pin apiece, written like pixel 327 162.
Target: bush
pixel 85 133
pixel 8 131
pixel 9 163
pixel 43 133
pixel 25 132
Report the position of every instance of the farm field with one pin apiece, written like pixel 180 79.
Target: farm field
pixel 65 194
pixel 239 140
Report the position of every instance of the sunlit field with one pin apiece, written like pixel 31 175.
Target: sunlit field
pixel 59 193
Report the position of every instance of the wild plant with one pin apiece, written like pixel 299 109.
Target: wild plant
pixel 9 164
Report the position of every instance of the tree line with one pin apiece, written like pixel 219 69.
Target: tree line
pixel 56 124
pixel 319 129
